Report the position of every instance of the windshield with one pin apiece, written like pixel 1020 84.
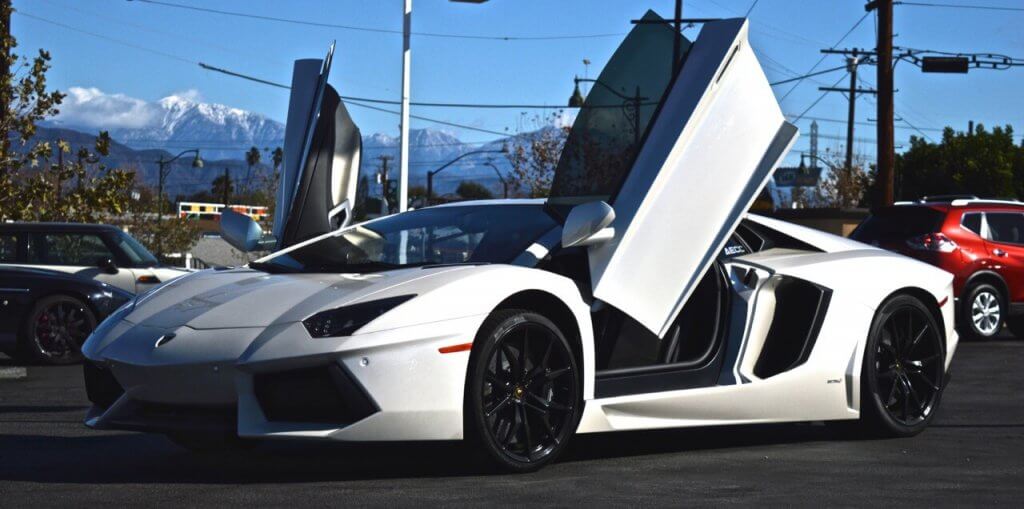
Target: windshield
pixel 620 104
pixel 139 255
pixel 442 235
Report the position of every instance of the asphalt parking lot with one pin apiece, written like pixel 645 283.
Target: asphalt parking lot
pixel 972 455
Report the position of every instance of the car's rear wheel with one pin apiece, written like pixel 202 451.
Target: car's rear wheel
pixel 524 391
pixel 982 312
pixel 903 373
pixel 56 329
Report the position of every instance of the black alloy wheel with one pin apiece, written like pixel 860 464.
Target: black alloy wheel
pixel 57 328
pixel 904 368
pixel 524 394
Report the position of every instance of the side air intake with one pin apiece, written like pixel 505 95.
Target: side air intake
pixel 799 311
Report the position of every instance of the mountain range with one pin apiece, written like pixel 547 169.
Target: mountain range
pixel 223 134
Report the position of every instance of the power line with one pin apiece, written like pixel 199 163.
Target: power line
pixel 805 76
pixel 818 100
pixel 427 119
pixel 754 4
pixel 110 39
pixel 177 36
pixel 962 6
pixel 823 57
pixel 379 30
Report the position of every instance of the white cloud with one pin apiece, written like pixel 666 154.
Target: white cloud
pixel 92 107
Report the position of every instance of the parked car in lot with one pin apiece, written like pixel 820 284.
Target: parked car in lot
pixel 638 295
pixel 981 242
pixel 45 315
pixel 90 251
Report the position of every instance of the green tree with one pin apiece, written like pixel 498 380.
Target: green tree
pixel 34 173
pixel 984 163
pixel 471 190
pixel 277 157
pixel 252 158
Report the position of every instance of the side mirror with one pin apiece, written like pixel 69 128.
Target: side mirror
pixel 242 232
pixel 107 265
pixel 588 224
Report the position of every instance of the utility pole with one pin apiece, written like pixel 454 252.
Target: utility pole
pixel 382 177
pixel 853 60
pixel 227 186
pixel 851 66
pixel 886 131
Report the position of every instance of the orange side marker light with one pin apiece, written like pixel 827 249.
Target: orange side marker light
pixel 464 347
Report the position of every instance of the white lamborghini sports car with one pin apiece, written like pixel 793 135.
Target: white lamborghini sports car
pixel 639 295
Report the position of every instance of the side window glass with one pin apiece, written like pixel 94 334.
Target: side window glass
pixel 69 249
pixel 972 221
pixel 8 248
pixel 1005 227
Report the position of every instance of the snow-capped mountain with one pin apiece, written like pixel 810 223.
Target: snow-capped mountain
pixel 215 128
pixel 182 121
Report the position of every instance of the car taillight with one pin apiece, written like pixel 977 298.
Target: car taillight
pixel 932 242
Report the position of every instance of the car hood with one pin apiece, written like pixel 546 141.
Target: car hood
pixel 236 298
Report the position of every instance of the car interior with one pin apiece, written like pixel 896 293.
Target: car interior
pixel 631 359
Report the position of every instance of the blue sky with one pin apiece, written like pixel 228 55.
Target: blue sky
pixel 159 46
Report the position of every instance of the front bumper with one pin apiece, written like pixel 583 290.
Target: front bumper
pixel 277 382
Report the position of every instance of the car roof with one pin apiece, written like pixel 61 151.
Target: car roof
pixel 56 227
pixel 961 204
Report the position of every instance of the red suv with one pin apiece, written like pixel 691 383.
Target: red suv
pixel 981 242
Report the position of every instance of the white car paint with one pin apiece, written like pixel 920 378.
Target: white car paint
pixel 687 191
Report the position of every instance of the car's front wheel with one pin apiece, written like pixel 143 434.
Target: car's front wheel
pixel 523 393
pixel 904 368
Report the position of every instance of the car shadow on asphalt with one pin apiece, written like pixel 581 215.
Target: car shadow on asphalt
pixel 116 458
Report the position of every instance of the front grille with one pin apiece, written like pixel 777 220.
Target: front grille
pixel 101 387
pixel 323 394
pixel 162 417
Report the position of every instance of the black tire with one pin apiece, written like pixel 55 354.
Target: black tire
pixel 209 443
pixel 904 369
pixel 524 392
pixel 54 331
pixel 975 321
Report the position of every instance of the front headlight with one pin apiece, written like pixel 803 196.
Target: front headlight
pixel 345 320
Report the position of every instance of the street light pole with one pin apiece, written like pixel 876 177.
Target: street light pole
pixel 403 162
pixel 431 173
pixel 165 169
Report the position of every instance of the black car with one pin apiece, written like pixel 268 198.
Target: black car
pixel 46 315
pixel 94 251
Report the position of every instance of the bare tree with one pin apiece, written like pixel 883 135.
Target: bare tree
pixel 534 156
